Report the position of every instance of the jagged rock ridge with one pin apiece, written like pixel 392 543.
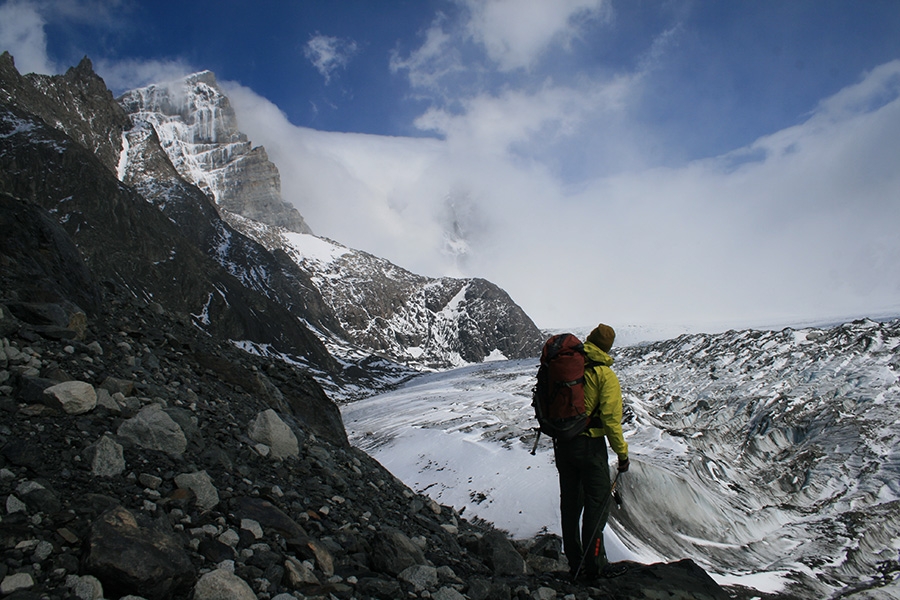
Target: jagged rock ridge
pixel 198 128
pixel 259 298
pixel 419 321
pixel 168 243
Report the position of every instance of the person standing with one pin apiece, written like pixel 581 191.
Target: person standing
pixel 583 464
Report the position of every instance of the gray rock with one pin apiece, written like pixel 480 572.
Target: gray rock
pixel 447 593
pixel 268 428
pixel 106 400
pixel 544 593
pixel 393 552
pixel 72 397
pixel 152 428
pixel 299 573
pixel 253 527
pixel 16 582
pixel 501 555
pixel 14 505
pixel 106 457
pixel 201 484
pixel 38 497
pixel 421 577
pixel 222 585
pixel 116 384
pixel 268 515
pixel 86 587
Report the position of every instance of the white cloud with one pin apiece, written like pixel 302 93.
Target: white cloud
pixel 505 38
pixel 23 22
pixel 515 33
pixel 542 181
pixel 529 125
pixel 123 75
pixel 435 61
pixel 22 34
pixel 800 224
pixel 328 54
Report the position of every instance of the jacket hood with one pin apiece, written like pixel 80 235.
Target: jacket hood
pixel 597 355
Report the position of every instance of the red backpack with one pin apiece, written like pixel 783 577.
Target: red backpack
pixel 558 397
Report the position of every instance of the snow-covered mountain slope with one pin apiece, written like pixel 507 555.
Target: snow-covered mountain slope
pixel 198 130
pixel 422 322
pixel 772 458
pixel 377 310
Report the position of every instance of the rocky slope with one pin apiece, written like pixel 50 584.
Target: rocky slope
pixel 143 458
pixel 162 239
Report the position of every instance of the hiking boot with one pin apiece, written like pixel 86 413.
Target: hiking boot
pixel 612 570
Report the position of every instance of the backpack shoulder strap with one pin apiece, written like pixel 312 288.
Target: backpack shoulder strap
pixel 588 365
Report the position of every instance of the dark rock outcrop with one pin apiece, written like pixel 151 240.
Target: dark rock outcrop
pixel 182 255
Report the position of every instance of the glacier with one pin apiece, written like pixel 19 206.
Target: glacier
pixel 769 457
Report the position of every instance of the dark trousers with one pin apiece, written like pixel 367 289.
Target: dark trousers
pixel 584 487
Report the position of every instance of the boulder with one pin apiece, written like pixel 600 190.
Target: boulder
pixel 222 585
pixel 72 397
pixel 130 558
pixel 202 485
pixel 501 555
pixel 268 428
pixel 152 428
pixel 106 457
pixel 393 552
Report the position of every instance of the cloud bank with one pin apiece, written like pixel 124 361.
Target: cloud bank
pixel 546 177
pixel 799 225
pixel 553 190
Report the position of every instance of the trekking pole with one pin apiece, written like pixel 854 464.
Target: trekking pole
pixel 536 440
pixel 612 491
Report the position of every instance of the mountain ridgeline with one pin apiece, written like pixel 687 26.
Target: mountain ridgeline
pixel 164 196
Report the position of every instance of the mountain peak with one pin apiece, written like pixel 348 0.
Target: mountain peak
pixel 207 77
pixel 198 129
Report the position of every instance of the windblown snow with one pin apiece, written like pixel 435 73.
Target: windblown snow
pixel 771 458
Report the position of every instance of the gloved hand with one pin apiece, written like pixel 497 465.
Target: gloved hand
pixel 623 465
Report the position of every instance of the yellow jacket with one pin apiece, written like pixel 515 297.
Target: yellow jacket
pixel 601 386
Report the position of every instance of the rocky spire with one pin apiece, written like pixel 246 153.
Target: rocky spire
pixel 199 131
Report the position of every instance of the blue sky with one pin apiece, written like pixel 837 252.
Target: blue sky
pixel 714 162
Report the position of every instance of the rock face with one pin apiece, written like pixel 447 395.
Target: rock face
pixel 167 243
pixel 418 321
pixel 140 222
pixel 197 125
